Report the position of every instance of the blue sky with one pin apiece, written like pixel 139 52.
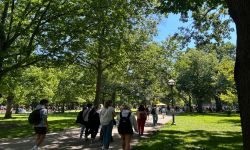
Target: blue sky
pixel 169 26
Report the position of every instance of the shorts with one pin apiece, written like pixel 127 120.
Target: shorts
pixel 40 130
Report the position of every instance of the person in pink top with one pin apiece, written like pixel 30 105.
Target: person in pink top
pixel 141 118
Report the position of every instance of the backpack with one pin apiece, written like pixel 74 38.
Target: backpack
pixel 153 111
pixel 125 126
pixel 79 118
pixel 35 117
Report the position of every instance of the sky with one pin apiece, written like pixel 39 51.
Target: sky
pixel 169 26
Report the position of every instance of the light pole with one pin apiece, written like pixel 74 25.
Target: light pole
pixel 171 83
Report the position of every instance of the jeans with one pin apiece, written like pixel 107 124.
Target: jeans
pixel 155 119
pixel 82 129
pixel 107 133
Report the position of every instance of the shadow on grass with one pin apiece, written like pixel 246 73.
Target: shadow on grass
pixel 195 139
pixel 231 121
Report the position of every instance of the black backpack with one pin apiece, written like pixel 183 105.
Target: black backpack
pixel 35 117
pixel 125 126
pixel 79 118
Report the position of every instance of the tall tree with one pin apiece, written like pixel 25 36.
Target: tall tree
pixel 111 31
pixel 22 24
pixel 195 75
pixel 239 12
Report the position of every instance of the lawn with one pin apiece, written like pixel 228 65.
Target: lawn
pixel 197 132
pixel 18 126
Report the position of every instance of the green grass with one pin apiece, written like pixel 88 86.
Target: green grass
pixel 18 126
pixel 197 131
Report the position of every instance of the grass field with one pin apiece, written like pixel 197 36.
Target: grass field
pixel 18 126
pixel 197 132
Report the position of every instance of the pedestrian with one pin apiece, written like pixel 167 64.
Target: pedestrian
pixel 85 116
pixel 94 122
pixel 126 123
pixel 80 120
pixel 163 112
pixel 106 119
pixel 42 127
pixel 155 112
pixel 141 118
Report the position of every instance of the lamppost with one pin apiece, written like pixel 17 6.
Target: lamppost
pixel 171 83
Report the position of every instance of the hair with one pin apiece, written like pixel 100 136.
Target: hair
pixel 141 108
pixel 89 105
pixel 107 103
pixel 44 101
pixel 84 107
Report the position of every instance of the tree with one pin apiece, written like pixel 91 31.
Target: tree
pixel 239 12
pixel 108 31
pixel 195 75
pixel 76 85
pixel 225 82
pixel 28 86
pixel 23 24
pixel 225 53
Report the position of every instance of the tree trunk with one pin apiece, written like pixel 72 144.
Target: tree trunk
pixel 240 12
pixel 98 84
pixel 200 110
pixel 8 113
pixel 218 104
pixel 63 107
pixel 190 103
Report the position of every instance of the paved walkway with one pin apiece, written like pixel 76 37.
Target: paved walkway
pixel 69 139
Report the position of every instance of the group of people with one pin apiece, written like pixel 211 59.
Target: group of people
pixel 126 122
pixel 105 117
pixel 92 117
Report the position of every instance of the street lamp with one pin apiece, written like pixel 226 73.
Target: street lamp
pixel 171 83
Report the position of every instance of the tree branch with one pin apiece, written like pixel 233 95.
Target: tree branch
pixel 4 14
pixel 11 18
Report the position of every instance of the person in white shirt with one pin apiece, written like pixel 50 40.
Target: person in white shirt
pixel 106 119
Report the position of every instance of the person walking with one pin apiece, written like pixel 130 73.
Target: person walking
pixel 163 112
pixel 80 121
pixel 94 122
pixel 155 112
pixel 106 119
pixel 141 118
pixel 42 127
pixel 85 116
pixel 126 123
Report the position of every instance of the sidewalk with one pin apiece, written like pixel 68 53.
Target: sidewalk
pixel 69 139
